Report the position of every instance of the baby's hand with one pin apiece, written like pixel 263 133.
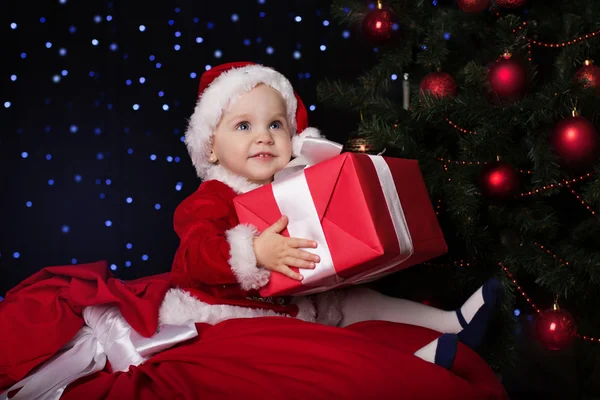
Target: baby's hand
pixel 278 253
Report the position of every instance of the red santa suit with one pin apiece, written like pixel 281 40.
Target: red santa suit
pixel 214 271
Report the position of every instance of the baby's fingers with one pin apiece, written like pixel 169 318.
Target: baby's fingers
pixel 287 271
pixel 301 243
pixel 298 263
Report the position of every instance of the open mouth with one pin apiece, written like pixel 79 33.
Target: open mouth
pixel 263 156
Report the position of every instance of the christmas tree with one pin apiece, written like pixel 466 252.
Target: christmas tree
pixel 498 102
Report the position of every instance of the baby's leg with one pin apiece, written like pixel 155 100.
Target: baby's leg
pixel 331 306
pixel 469 322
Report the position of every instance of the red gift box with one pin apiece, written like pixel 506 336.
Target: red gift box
pixel 370 215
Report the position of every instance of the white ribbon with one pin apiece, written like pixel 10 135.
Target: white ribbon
pixel 106 336
pixel 394 205
pixel 293 197
pixel 313 151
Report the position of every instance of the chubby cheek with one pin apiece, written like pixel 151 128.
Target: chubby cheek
pixel 286 146
pixel 283 161
pixel 236 154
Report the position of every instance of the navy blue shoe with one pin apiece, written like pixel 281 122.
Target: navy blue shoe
pixel 472 333
pixel 445 352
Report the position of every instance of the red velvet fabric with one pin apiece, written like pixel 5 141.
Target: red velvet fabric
pixel 43 312
pixel 271 357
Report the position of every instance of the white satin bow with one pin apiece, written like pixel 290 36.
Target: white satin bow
pixel 313 151
pixel 106 336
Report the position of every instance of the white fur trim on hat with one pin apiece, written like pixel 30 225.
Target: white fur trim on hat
pixel 217 98
pixel 298 140
pixel 243 259
pixel 179 306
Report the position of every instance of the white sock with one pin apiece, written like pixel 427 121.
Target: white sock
pixel 472 305
pixel 428 351
pixel 441 351
pixel 362 304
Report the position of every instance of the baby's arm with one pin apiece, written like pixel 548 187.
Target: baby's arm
pixel 212 251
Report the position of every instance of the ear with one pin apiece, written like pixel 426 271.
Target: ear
pixel 212 157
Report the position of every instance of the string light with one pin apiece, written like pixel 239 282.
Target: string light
pixel 458 128
pixel 588 338
pixel 519 288
pixel 460 263
pixel 549 252
pixel 457 162
pixel 529 56
pixel 438 207
pixel 563 183
pixel 561 44
pixel 517 31
pixel 495 11
pixel 461 162
pixel 581 200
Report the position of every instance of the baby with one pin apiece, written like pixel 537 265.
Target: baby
pixel 247 125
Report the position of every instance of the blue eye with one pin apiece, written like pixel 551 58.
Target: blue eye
pixel 275 125
pixel 244 126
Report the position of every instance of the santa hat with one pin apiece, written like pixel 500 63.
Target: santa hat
pixel 221 84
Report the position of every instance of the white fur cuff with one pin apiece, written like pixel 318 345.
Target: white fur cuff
pixel 179 306
pixel 243 259
pixel 298 140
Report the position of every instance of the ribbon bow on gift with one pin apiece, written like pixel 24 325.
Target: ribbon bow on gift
pixel 313 151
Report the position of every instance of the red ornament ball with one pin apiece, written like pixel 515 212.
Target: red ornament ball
pixel 473 6
pixel 378 25
pixel 575 140
pixel 555 329
pixel 508 78
pixel 589 76
pixel 511 3
pixel 439 84
pixel 499 180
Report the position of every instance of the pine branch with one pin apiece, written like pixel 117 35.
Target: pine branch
pixel 545 164
pixel 339 95
pixel 381 133
pixel 348 12
pixel 591 191
pixel 473 75
pixel 378 78
pixel 462 205
pixel 535 220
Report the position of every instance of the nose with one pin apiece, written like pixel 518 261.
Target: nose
pixel 264 137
